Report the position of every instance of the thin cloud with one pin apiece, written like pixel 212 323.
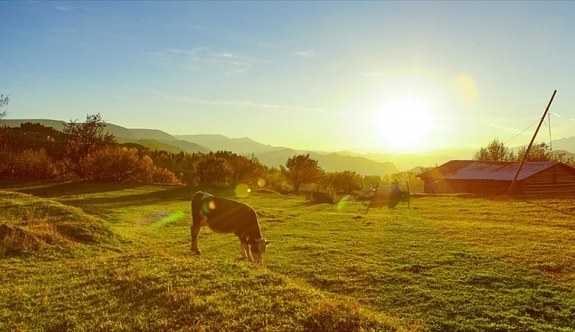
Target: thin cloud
pixel 372 74
pixel 62 8
pixel 306 53
pixel 204 59
pixel 241 104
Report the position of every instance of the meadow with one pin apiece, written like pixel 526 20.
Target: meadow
pixel 116 257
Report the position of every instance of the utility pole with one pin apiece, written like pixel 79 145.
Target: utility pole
pixel 512 187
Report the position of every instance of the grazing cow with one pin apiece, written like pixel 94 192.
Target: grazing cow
pixel 226 216
pixel 391 196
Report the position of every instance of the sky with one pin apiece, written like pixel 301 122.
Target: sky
pixel 384 76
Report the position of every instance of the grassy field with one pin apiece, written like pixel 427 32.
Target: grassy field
pixel 116 257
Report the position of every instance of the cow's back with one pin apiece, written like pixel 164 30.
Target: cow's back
pixel 224 215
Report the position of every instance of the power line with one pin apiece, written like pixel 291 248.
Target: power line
pixel 549 123
pixel 521 132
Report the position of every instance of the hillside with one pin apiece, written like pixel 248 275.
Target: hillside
pixel 150 138
pixel 241 146
pixel 117 131
pixel 566 144
pixel 274 156
pixel 446 263
pixel 330 162
pixel 33 225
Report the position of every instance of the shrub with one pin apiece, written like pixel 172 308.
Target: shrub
pixel 113 163
pixel 28 164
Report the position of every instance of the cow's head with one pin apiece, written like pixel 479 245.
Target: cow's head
pixel 257 249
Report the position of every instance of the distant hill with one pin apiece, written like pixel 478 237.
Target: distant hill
pixel 56 124
pixel 274 156
pixel 117 131
pixel 330 162
pixel 240 146
pixel 565 144
pixel 150 138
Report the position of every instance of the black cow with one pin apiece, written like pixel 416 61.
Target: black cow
pixel 226 216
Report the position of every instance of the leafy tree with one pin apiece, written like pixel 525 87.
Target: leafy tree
pixel 343 182
pixel 495 151
pixel 276 180
pixel 85 138
pixel 243 169
pixel 212 170
pixel 371 181
pixel 115 163
pixel 301 169
pixel 28 164
pixel 538 152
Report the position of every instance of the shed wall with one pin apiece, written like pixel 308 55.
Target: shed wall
pixel 555 180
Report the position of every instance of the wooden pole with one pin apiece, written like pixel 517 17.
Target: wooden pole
pixel 512 187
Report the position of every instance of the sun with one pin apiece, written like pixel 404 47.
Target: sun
pixel 404 124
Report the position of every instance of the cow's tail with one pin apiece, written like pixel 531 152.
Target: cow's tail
pixel 196 220
pixel 197 207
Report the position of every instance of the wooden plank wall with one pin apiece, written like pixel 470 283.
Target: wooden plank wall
pixel 553 181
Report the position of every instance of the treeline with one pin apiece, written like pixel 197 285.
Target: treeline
pixel 498 151
pixel 85 151
pixel 82 151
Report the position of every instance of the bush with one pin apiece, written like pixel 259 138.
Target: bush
pixel 113 163
pixel 29 164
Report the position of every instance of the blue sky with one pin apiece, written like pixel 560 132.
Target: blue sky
pixel 374 75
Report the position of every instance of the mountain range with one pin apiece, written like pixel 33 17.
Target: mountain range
pixel 365 163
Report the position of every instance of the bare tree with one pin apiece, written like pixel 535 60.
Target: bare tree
pixel 3 102
pixel 84 138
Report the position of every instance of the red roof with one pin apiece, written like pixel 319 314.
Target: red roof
pixel 487 170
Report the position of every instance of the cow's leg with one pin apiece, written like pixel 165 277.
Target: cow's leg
pixel 245 249
pixel 195 230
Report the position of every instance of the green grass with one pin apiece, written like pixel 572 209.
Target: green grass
pixel 446 264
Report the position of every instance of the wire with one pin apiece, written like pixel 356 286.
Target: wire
pixel 549 122
pixel 524 130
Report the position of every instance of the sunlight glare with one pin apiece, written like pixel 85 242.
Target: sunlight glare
pixel 404 124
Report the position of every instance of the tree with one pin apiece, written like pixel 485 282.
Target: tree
pixel 243 169
pixel 495 151
pixel 115 163
pixel 301 169
pixel 343 182
pixel 85 138
pixel 212 170
pixel 3 102
pixel 538 152
pixel 4 132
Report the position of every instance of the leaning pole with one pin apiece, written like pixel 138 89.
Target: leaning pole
pixel 512 187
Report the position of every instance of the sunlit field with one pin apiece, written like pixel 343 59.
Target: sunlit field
pixel 116 257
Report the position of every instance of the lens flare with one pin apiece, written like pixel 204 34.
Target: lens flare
pixel 261 183
pixel 242 190
pixel 207 207
pixel 466 89
pixel 174 216
pixel 343 202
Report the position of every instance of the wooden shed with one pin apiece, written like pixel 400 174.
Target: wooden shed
pixel 482 177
